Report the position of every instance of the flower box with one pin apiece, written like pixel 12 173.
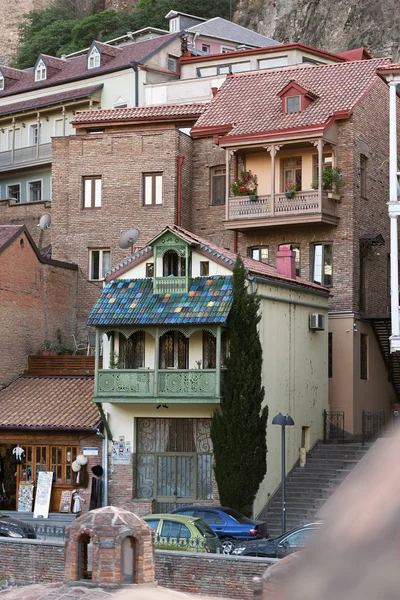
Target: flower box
pixel 289 194
pixel 253 197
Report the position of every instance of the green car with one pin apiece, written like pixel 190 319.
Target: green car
pixel 191 534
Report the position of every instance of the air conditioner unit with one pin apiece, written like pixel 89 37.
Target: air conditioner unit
pixel 317 321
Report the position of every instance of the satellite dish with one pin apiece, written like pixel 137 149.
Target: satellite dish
pixel 128 238
pixel 45 221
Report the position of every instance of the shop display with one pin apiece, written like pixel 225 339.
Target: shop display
pixel 96 495
pixel 25 496
pixel 77 499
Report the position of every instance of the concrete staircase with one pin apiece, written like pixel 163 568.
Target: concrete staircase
pixel 309 487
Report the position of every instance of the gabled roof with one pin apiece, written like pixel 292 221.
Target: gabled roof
pixel 248 106
pixel 75 68
pixel 356 54
pixel 49 403
pixel 132 302
pixel 7 232
pixel 226 30
pixel 50 99
pixel 140 113
pixel 292 85
pixel 215 253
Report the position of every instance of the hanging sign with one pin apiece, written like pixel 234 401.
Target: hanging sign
pixel 25 496
pixel 65 502
pixel 88 451
pixel 43 493
pixel 121 452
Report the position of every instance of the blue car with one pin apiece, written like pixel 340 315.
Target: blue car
pixel 227 523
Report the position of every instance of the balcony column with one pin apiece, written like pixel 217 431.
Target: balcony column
pixel 218 363
pixel 38 133
pixel 320 164
pixel 228 154
pixel 63 128
pixel 96 361
pixel 13 140
pixel 156 361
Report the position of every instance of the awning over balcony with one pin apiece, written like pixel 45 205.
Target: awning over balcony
pixel 132 302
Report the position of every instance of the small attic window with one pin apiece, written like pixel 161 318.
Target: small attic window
pixel 1 82
pixel 40 71
pixel 94 58
pixel 293 104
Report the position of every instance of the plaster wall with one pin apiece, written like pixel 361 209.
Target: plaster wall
pixel 23 178
pixel 188 90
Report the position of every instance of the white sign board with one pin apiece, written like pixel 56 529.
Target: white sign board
pixel 43 493
pixel 90 451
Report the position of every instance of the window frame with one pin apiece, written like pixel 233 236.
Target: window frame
pixel 28 190
pixel 213 174
pixel 91 178
pixel 2 82
pixel 226 49
pixel 277 59
pixel 170 57
pixel 101 252
pixel 153 177
pixel 312 263
pixel 8 185
pixel 251 249
pixel 96 56
pixel 363 176
pixel 294 246
pixel 41 71
pixel 293 98
pixel 208 51
pixel 174 25
pixel 204 266
pixel 149 267
pixel 35 134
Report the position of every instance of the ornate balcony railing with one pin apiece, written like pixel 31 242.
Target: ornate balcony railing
pixel 170 285
pixel 241 207
pixel 25 156
pixel 180 383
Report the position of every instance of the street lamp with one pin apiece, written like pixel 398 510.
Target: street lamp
pixel 283 421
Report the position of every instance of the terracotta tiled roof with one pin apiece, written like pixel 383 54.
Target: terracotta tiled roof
pixel 6 233
pixel 248 103
pixel 141 113
pixel 391 68
pixel 76 67
pixel 254 267
pixel 10 72
pixel 8 109
pixel 49 402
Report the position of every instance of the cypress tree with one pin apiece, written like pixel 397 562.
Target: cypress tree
pixel 238 429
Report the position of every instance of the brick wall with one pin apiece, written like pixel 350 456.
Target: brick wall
pixel 120 158
pixel 28 214
pixel 34 304
pixel 214 575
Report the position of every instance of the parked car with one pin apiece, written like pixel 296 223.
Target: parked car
pixel 279 547
pixel 227 523
pixel 175 532
pixel 15 528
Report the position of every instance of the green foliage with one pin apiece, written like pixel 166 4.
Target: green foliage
pixel 71 25
pixel 238 430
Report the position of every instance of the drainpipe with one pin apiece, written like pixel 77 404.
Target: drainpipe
pixel 235 241
pixel 135 66
pixel 181 159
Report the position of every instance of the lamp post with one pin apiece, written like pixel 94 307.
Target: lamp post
pixel 283 421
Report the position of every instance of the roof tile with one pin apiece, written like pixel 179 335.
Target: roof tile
pixel 6 233
pixel 7 109
pixel 140 113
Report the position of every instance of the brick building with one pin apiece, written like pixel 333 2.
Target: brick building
pixel 33 300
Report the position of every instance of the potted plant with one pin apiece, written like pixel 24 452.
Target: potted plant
pixel 290 188
pixel 246 185
pixel 332 181
pixel 60 348
pixel 47 348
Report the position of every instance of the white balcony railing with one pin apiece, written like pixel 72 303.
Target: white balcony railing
pixel 25 156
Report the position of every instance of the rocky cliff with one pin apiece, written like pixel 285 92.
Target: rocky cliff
pixel 334 25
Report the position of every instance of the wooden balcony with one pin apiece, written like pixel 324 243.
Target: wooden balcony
pixel 61 364
pixel 147 385
pixel 303 208
pixel 25 157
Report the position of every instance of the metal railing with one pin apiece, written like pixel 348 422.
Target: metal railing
pixel 25 156
pixel 373 425
pixel 334 426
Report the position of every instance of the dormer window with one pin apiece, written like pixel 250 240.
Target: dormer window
pixel 1 83
pixel 174 25
pixel 94 58
pixel 40 71
pixel 293 104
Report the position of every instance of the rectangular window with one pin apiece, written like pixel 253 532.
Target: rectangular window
pixel 205 48
pixel 34 191
pixel 225 49
pixel 204 268
pixel 321 263
pixel 363 175
pixel 172 63
pixel 292 172
pixel 14 192
pixel 207 72
pixel 152 189
pixel 218 185
pixel 273 63
pixel 149 269
pixel 132 351
pixel 240 67
pixel 13 138
pixel 296 250
pixel 311 61
pixel 174 24
pixel 35 134
pixel 363 356
pixel 330 364
pixel 58 127
pixel 259 253
pixel 292 104
pixel 91 192
pixel 99 264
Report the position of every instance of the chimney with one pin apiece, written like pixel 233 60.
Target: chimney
pixel 286 262
pixel 214 91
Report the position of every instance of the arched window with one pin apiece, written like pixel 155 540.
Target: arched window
pixel 131 351
pixel 174 350
pixel 93 58
pixel 40 71
pixel 128 560
pixel 85 548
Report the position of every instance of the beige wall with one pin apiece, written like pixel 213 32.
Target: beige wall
pixel 295 376
pixel 347 391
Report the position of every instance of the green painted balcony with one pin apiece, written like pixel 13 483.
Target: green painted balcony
pixel 146 385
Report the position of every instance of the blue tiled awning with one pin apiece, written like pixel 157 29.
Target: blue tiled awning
pixel 132 302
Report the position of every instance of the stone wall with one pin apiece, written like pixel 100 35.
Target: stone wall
pixel 211 574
